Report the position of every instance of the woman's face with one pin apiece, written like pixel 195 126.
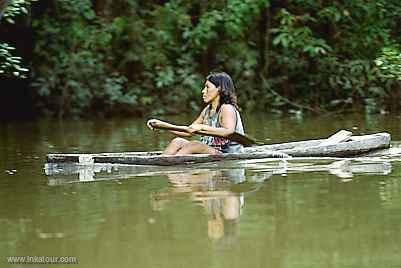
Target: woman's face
pixel 210 92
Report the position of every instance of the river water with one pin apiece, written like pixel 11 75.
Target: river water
pixel 265 213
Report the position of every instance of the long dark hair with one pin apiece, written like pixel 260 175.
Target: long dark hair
pixel 227 90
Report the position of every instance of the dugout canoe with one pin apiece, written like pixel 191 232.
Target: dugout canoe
pixel 347 146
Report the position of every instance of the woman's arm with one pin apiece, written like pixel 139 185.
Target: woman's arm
pixel 156 123
pixel 181 134
pixel 228 120
pixel 198 120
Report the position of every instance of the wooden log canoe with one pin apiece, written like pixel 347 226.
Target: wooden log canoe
pixel 348 147
pixel 352 146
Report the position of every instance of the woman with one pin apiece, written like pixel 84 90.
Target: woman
pixel 219 117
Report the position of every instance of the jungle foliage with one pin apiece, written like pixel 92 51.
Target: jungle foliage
pixel 10 64
pixel 390 62
pixel 130 56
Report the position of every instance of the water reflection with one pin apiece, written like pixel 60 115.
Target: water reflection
pixel 303 216
pixel 389 192
pixel 213 191
pixel 342 168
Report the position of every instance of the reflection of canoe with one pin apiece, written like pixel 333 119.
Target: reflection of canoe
pixel 258 170
pixel 348 146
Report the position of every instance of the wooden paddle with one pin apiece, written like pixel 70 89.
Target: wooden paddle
pixel 241 139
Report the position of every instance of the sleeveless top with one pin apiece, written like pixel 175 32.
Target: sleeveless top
pixel 221 144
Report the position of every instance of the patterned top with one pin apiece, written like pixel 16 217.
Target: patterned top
pixel 221 144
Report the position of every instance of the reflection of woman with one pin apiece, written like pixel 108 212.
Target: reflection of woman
pixel 220 117
pixel 209 189
pixel 222 210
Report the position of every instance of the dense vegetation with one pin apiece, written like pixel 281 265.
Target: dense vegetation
pixel 10 64
pixel 130 56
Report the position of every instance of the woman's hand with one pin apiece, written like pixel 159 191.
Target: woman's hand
pixel 152 123
pixel 195 127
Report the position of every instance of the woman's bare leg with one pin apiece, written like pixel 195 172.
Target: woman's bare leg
pixel 175 145
pixel 196 147
pixel 231 207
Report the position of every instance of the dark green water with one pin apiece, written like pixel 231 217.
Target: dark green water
pixel 231 214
